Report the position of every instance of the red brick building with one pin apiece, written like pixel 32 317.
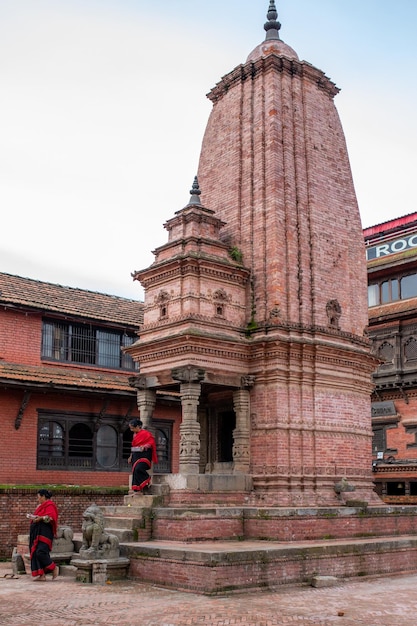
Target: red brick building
pixel 65 386
pixel 392 295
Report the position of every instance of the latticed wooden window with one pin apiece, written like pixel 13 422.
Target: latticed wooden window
pixel 410 349
pixel 378 440
pixel 74 442
pixel 386 353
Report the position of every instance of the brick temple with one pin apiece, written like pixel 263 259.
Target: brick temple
pixel 256 307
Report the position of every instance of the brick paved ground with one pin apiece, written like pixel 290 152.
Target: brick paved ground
pixel 390 601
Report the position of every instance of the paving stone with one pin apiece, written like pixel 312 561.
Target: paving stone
pixel 324 581
pixel 388 601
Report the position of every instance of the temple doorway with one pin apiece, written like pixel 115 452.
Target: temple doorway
pixel 219 443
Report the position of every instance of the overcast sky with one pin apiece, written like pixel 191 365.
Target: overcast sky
pixel 103 108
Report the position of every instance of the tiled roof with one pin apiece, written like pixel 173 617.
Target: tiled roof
pixel 392 309
pixel 48 297
pixel 65 376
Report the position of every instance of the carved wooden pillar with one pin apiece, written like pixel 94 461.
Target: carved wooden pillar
pixel 241 434
pixel 190 390
pixel 146 400
pixel 146 405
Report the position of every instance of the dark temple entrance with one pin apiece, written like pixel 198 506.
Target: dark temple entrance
pixel 217 435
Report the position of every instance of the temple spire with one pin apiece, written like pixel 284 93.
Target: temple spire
pixel 272 26
pixel 195 192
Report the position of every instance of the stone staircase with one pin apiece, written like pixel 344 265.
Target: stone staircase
pixel 133 521
pixel 125 522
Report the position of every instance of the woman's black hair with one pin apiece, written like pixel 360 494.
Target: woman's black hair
pixel 46 493
pixel 135 422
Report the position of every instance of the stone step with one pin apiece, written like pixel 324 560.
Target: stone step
pixel 141 500
pixel 122 523
pixel 268 523
pixel 159 489
pixel 221 567
pixel 280 524
pixel 125 535
pixel 122 510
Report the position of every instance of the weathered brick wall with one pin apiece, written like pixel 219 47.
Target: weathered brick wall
pixel 274 166
pixel 20 337
pixel 283 525
pixel 16 502
pixel 270 570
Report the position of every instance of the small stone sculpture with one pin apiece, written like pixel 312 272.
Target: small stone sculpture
pixel 63 542
pixel 97 543
pixel 18 564
pixel 343 486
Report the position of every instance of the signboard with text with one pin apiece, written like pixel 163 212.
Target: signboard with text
pixel 391 247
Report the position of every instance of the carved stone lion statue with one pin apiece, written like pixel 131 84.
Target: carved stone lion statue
pixel 97 543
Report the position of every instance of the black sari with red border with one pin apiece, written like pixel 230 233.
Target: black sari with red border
pixel 41 536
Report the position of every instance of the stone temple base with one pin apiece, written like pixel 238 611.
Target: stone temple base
pixel 213 568
pixel 209 482
pixel 100 571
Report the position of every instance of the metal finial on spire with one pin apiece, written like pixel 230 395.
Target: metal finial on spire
pixel 272 26
pixel 195 192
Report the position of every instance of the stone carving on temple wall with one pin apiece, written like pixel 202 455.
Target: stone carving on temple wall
pixel 334 312
pixel 138 382
pixel 241 451
pixel 162 300
pixel 274 315
pixel 188 374
pixel 190 444
pixel 220 298
pixel 343 489
pixel 248 381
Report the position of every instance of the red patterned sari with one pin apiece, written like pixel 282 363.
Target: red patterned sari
pixel 41 537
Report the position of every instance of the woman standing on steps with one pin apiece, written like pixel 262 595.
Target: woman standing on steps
pixel 43 529
pixel 142 456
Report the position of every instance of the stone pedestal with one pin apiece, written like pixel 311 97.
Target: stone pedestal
pixel 99 571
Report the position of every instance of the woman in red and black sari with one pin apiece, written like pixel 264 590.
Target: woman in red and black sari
pixel 43 529
pixel 142 456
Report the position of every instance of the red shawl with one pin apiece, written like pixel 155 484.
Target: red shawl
pixel 145 439
pixel 49 508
